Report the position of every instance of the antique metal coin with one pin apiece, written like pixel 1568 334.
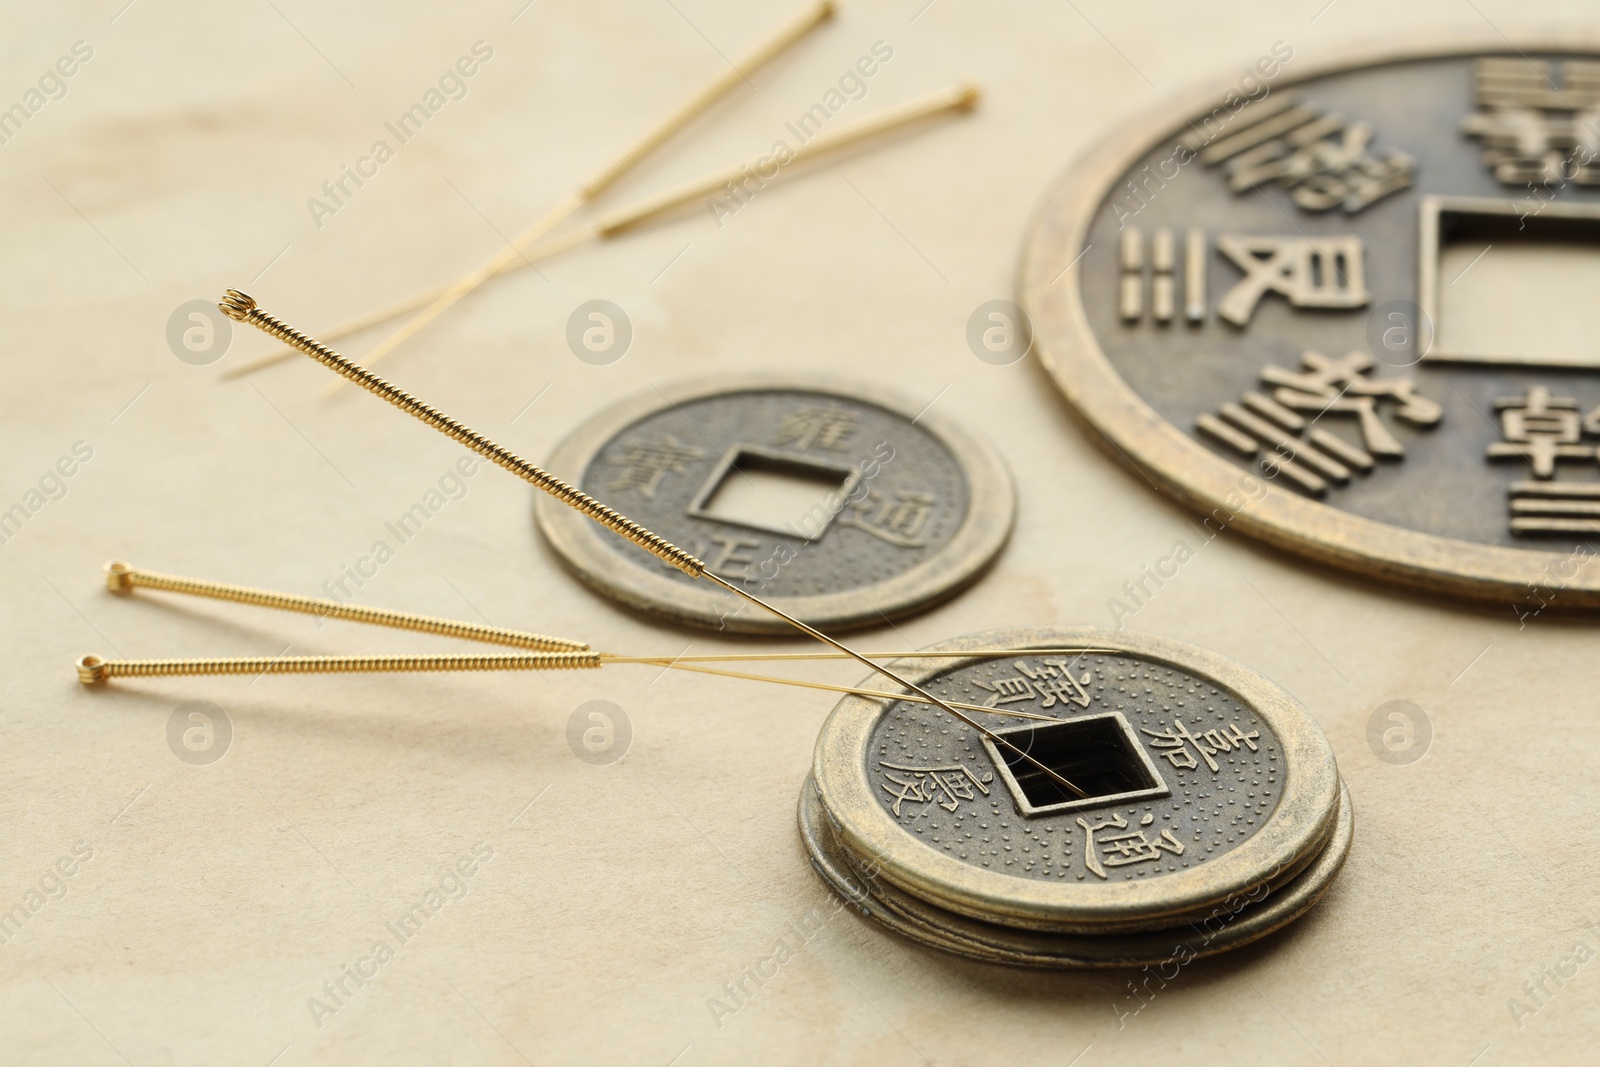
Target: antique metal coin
pixel 1205 787
pixel 843 504
pixel 1235 922
pixel 1345 308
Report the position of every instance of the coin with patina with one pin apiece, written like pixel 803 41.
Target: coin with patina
pixel 1193 782
pixel 1245 917
pixel 1345 308
pixel 842 504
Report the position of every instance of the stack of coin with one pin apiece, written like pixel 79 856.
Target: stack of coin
pixel 1129 800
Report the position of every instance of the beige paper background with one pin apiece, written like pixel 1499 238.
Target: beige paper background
pixel 219 898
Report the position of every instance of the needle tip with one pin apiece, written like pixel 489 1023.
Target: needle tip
pixel 971 93
pixel 237 305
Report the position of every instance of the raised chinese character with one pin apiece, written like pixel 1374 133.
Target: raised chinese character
pixel 1054 681
pixel 1121 849
pixel 1326 272
pixel 923 785
pixel 1231 738
pixel 1008 690
pixel 917 790
pixel 1533 129
pixel 823 427
pixel 1541 429
pixel 956 786
pixel 1340 386
pixel 1519 144
pixel 1172 744
pixel 898 520
pixel 645 463
pixel 1326 163
pixel 728 558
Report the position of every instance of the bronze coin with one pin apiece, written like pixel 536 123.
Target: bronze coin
pixel 842 504
pixel 1343 308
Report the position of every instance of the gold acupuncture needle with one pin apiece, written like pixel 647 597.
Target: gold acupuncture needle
pixel 94 669
pixel 812 17
pixel 437 301
pixel 627 219
pixel 123 578
pixel 240 307
pixel 624 219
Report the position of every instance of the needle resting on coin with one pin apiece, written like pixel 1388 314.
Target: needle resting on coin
pixel 242 308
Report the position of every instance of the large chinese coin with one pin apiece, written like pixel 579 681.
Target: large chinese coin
pixel 1202 797
pixel 1346 309
pixel 842 504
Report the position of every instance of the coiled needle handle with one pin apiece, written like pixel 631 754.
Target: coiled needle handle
pixel 242 308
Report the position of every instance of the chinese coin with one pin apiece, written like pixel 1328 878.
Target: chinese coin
pixel 841 504
pixel 1197 789
pixel 1344 308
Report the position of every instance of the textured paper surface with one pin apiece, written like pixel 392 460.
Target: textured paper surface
pixel 619 900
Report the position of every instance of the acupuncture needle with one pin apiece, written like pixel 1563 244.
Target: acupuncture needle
pixel 627 219
pixel 241 307
pixel 436 301
pixel 957 98
pixel 767 50
pixel 123 578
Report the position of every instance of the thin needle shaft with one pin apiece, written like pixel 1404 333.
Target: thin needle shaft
pixel 827 687
pixel 242 308
pixel 958 98
pixel 895 678
pixel 759 56
pixel 122 577
pixel 751 657
pixel 547 250
pixel 961 97
pixel 498 265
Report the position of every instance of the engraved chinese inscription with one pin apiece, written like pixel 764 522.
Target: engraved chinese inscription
pixel 949 786
pixel 1369 287
pixel 1219 777
pixel 1124 847
pixel 886 495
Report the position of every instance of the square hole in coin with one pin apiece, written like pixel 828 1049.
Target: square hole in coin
pixel 778 492
pixel 1507 281
pixel 1097 753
